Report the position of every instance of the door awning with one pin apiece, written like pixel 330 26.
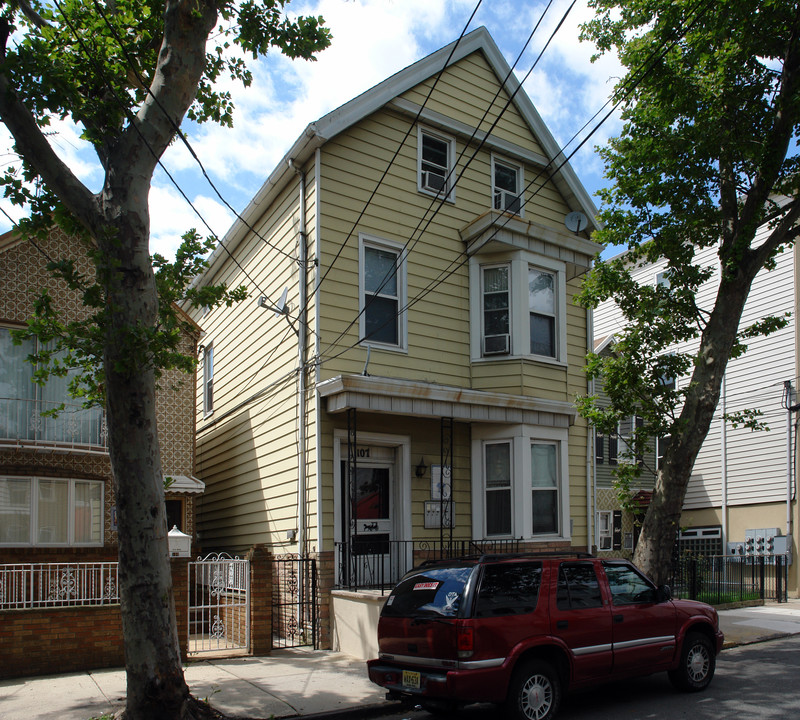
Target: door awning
pixel 418 399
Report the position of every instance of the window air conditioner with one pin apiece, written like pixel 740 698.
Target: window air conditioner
pixel 605 543
pixel 504 200
pixel 497 344
pixel 432 181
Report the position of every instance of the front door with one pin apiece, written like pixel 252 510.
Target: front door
pixel 373 557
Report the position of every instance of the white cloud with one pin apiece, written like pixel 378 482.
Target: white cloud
pixel 372 39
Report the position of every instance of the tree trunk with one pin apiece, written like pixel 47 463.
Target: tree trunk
pixel 156 687
pixel 654 551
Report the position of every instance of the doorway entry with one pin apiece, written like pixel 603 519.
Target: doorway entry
pixel 371 514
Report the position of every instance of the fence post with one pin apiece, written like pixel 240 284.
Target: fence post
pixel 693 590
pixel 260 600
pixel 761 580
pixel 180 584
pixel 778 578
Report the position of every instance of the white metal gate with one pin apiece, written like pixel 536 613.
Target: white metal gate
pixel 219 604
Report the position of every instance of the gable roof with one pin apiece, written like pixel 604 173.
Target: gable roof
pixel 337 121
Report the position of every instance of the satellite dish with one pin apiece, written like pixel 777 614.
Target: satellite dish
pixel 576 222
pixel 281 307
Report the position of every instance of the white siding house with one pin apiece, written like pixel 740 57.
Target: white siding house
pixel 741 479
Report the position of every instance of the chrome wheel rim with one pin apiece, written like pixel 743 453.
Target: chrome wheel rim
pixel 536 697
pixel 697 663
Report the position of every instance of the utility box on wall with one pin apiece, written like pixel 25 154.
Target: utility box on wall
pixel 762 542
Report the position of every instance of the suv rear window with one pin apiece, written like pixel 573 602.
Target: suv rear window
pixel 509 589
pixel 431 591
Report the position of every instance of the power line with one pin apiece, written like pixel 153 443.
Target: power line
pixel 441 196
pixel 639 74
pixel 134 125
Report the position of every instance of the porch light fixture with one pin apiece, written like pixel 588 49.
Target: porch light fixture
pixel 421 468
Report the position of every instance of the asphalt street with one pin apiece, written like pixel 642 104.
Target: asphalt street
pixel 757 682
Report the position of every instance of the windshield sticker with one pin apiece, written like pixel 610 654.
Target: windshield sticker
pixel 451 602
pixel 390 600
pixel 426 586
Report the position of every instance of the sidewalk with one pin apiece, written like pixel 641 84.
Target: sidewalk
pixel 291 683
pixel 288 683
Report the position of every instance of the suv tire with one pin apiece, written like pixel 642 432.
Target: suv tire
pixel 535 692
pixel 697 664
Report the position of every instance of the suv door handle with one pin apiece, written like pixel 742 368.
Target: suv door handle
pixel 618 618
pixel 562 624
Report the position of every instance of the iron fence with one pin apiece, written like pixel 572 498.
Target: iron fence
pixel 379 564
pixel 295 621
pixel 72 425
pixel 723 579
pixel 50 585
pixel 219 604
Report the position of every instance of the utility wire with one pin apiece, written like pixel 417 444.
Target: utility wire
pixel 183 138
pixel 134 125
pixel 641 72
pixel 441 195
pixel 411 127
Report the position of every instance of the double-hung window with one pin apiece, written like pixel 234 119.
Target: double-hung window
pixel 44 511
pixel 604 530
pixel 517 307
pixel 544 487
pixel 496 294
pixel 497 457
pixel 208 379
pixel 506 187
pixel 436 161
pixel 23 401
pixel 520 482
pixel 382 283
pixel 542 309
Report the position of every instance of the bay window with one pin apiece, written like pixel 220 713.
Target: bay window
pixel 520 482
pixel 518 307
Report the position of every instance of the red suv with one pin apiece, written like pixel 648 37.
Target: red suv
pixel 521 629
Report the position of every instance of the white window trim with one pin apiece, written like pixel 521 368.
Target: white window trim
pixel 609 534
pixel 365 240
pixel 208 347
pixel 520 183
pixel 521 437
pixel 34 520
pixel 450 177
pixel 519 262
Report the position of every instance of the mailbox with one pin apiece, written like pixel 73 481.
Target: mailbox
pixel 180 544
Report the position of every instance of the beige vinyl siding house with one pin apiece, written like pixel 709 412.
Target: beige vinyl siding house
pixel 739 481
pixel 403 345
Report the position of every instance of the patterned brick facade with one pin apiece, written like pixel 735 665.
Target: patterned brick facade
pixel 24 274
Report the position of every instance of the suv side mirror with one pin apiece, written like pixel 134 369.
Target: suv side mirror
pixel 663 593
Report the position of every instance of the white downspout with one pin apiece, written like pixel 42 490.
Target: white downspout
pixel 724 465
pixel 591 468
pixel 301 365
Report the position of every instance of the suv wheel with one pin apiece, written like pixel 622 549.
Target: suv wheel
pixel 696 666
pixel 535 692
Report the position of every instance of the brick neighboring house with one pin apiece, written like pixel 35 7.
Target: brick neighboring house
pixel 56 498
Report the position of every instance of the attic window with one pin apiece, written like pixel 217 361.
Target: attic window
pixel 436 161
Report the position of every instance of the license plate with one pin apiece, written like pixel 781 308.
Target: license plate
pixel 411 679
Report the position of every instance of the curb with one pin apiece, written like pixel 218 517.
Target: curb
pixel 361 711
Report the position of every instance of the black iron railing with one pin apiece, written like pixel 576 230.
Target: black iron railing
pixel 379 564
pixel 725 579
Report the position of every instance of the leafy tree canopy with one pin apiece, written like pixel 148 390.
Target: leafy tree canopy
pixel 707 155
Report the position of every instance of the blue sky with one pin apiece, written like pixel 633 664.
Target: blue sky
pixel 372 39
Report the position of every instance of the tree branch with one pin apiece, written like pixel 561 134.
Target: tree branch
pixel 33 146
pixel 181 62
